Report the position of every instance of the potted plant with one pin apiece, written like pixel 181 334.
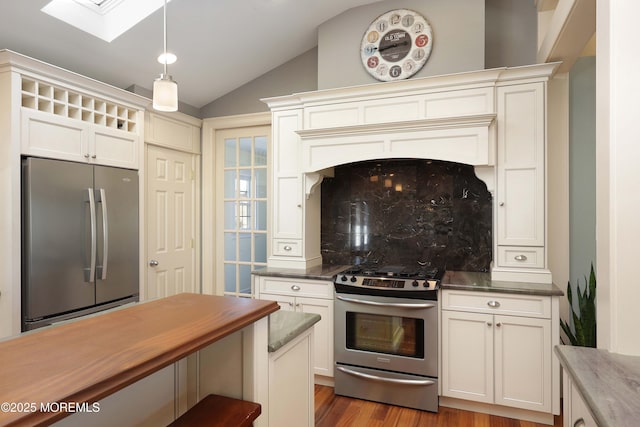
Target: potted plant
pixel 584 321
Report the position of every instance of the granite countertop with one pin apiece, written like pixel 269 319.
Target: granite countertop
pixel 609 383
pixel 284 326
pixel 321 272
pixel 473 281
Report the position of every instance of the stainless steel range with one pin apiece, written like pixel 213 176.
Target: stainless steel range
pixel 386 335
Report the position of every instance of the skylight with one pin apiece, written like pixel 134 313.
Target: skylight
pixel 106 19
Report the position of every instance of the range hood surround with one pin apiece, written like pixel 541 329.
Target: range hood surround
pixel 468 118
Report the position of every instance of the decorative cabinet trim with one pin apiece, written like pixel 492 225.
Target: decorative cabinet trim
pixel 59 101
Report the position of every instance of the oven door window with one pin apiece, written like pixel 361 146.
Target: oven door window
pixel 401 336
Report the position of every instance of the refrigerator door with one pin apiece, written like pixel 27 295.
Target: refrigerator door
pixel 117 271
pixel 57 237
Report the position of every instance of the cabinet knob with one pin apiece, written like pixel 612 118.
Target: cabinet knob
pixel 493 304
pixel 295 287
pixel 520 257
pixel 501 204
pixel 94 156
pixel 498 324
pixel 579 423
pixel 489 324
pixel 86 156
pixel 287 248
pixel 153 263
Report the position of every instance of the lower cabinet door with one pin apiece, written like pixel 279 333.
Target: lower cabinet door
pixel 467 356
pixel 291 400
pixel 523 362
pixel 323 332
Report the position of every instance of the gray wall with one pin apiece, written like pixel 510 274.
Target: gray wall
pixel 298 75
pixel 460 44
pixel 511 33
pixel 458 40
pixel 582 169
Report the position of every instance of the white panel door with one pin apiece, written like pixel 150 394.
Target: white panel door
pixel 322 331
pixel 523 362
pixel 467 355
pixel 170 221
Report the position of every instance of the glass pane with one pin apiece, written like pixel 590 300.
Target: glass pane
pixel 245 279
pixel 260 247
pixel 245 183
pixel 230 152
pixel 244 215
pixel 261 216
pixel 229 246
pixel 245 152
pixel 230 215
pixel 244 240
pixel 230 184
pixel 229 277
pixel 261 183
pixel 260 153
pixel 403 336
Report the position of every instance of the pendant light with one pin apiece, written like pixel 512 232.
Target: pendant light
pixel 165 89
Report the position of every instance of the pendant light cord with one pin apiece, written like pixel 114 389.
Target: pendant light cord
pixel 165 36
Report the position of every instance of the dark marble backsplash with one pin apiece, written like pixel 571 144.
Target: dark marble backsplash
pixel 400 212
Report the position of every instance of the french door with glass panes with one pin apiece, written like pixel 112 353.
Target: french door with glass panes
pixel 242 187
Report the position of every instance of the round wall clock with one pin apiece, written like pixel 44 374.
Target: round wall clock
pixel 396 45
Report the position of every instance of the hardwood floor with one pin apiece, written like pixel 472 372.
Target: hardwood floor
pixel 339 411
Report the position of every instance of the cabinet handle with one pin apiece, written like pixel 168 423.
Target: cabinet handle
pixel 493 304
pixel 287 248
pixel 295 287
pixel 520 257
pixel 579 423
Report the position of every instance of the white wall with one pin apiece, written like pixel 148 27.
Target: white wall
pixel 617 176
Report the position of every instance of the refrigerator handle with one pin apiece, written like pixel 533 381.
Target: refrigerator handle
pixel 92 213
pixel 105 233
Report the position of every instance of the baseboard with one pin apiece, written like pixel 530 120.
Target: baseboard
pixel 502 411
pixel 322 380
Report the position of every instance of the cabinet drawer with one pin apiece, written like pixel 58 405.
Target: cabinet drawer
pixel 287 247
pixel 521 256
pixel 296 287
pixel 498 303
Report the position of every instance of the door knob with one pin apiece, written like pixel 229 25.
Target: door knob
pixel 153 263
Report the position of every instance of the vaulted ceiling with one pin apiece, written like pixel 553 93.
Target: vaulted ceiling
pixel 220 44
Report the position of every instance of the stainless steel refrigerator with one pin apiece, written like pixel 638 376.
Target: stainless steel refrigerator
pixel 79 240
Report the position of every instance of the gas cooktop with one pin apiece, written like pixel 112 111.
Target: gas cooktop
pixel 379 279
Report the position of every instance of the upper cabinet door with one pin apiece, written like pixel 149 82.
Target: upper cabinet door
pixel 521 182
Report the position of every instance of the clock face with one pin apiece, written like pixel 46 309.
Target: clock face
pixel 396 45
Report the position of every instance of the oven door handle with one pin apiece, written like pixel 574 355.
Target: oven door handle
pixel 384 380
pixel 386 304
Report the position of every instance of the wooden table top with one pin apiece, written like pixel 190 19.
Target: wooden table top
pixel 86 360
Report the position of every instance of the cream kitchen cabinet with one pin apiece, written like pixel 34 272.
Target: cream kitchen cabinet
pixel 64 124
pixel 306 296
pixel 291 383
pixel 497 349
pixel 520 185
pixel 575 412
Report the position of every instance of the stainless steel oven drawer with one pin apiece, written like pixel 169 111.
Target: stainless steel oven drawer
pixel 393 388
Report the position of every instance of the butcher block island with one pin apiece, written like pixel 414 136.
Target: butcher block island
pixel 135 359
